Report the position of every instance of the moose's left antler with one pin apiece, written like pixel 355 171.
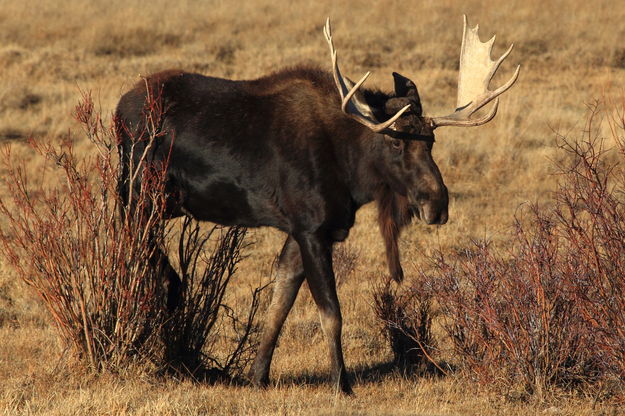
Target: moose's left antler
pixel 476 71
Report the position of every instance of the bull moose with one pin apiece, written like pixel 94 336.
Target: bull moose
pixel 287 151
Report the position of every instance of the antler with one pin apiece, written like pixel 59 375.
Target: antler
pixel 353 107
pixel 476 71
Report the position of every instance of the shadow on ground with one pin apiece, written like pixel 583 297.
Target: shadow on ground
pixel 372 374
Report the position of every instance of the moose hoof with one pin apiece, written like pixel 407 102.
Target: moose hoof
pixel 344 386
pixel 258 380
pixel 347 390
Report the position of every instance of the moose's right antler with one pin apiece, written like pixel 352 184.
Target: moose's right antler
pixel 350 105
pixel 476 71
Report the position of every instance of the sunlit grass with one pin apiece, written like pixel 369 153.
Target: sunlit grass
pixel 571 53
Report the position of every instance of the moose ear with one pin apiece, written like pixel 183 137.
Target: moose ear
pixel 405 87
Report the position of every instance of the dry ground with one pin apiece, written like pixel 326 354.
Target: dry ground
pixel 571 53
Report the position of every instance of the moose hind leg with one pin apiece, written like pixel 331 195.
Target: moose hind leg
pixel 289 278
pixel 168 278
pixel 317 259
pixel 174 284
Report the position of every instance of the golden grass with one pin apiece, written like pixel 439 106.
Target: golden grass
pixel 571 53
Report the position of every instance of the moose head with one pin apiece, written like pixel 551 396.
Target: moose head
pixel 416 185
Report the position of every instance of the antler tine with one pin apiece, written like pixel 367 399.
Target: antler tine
pixel 476 72
pixel 351 92
pixel 327 32
pixel 461 117
pixel 467 122
pixel 502 58
pixel 357 110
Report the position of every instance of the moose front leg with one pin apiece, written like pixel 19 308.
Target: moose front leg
pixel 317 259
pixel 289 278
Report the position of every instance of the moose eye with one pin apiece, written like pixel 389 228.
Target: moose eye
pixel 396 144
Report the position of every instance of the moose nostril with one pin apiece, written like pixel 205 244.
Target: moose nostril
pixel 435 215
pixel 443 217
pixel 438 218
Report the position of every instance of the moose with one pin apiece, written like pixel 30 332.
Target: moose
pixel 287 151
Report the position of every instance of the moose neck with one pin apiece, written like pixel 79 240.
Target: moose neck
pixel 367 182
pixel 359 165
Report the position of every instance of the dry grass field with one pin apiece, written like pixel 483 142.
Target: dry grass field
pixel 571 51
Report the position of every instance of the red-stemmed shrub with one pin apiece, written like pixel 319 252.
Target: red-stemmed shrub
pixel 99 273
pixel 546 309
pixel 406 316
pixel 549 310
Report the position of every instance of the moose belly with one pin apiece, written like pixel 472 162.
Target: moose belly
pixel 226 203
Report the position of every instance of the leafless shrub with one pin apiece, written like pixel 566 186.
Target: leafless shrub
pixel 591 218
pixel 67 243
pixel 406 316
pixel 192 332
pixel 100 274
pixel 514 320
pixel 550 310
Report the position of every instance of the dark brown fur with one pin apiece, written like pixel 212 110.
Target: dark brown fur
pixel 393 214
